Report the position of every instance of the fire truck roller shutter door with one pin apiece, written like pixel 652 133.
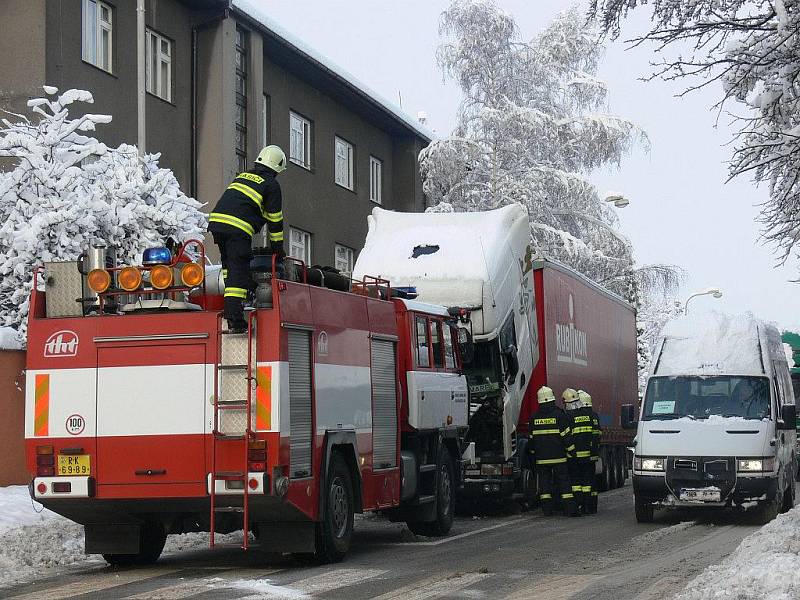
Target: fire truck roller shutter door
pixel 300 403
pixel 384 405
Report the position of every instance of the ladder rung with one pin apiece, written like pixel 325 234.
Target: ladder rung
pixel 229 437
pixel 229 509
pixel 227 475
pixel 232 404
pixel 232 367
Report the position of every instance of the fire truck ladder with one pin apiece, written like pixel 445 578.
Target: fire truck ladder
pixel 233 393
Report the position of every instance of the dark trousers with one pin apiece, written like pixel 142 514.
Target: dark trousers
pixel 585 479
pixel 554 479
pixel 576 482
pixel 236 251
pixel 591 479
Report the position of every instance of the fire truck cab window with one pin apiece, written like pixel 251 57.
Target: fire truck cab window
pixel 423 359
pixel 449 355
pixel 436 343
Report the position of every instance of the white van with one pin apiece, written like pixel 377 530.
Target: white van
pixel 717 425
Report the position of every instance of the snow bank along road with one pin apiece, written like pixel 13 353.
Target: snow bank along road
pixel 516 557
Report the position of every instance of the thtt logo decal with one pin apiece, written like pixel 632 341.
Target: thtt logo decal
pixel 61 344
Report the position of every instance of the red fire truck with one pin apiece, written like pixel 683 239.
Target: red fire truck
pixel 145 417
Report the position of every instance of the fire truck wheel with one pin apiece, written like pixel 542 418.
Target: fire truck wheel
pixel 335 532
pixel 445 500
pixel 152 543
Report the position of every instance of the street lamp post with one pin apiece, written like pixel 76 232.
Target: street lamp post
pixel 714 292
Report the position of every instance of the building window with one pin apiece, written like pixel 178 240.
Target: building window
pixel 264 119
pixel 241 99
pixel 300 245
pixel 344 163
pixel 159 65
pixel 97 40
pixel 299 140
pixel 344 260
pixel 375 179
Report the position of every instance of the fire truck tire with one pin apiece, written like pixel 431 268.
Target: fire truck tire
pixel 335 532
pixel 445 500
pixel 154 536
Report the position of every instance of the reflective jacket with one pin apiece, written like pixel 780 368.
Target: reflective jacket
pixel 582 432
pixel 550 435
pixel 252 199
pixel 595 434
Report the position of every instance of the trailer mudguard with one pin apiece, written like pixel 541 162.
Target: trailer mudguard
pixel 345 441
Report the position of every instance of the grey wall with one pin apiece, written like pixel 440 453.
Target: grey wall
pixel 22 46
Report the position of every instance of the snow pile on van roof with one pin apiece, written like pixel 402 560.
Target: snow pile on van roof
pixel 711 343
pixel 459 250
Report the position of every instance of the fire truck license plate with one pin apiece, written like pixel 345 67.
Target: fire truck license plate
pixel 74 465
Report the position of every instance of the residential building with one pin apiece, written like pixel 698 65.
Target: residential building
pixel 221 80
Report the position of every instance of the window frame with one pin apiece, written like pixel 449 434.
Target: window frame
pixel 375 187
pixel 307 235
pixel 352 256
pixel 415 330
pixel 307 131
pixel 350 157
pixel 241 73
pixel 99 26
pixel 150 36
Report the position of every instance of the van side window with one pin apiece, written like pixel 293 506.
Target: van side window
pixel 449 354
pixel 436 343
pixel 423 344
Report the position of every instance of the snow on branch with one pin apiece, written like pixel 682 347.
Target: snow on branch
pixel 67 190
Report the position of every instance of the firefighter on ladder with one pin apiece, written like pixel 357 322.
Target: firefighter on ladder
pixel 251 200
pixel 581 466
pixel 586 401
pixel 550 445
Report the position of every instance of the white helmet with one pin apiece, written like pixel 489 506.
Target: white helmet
pixel 545 394
pixel 585 398
pixel 273 158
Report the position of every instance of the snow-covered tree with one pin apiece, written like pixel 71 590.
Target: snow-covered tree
pixel 531 128
pixel 653 314
pixel 751 48
pixel 66 190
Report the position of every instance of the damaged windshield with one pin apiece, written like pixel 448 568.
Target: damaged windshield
pixel 701 397
pixel 484 372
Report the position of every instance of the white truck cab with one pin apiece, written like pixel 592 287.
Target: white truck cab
pixel 717 425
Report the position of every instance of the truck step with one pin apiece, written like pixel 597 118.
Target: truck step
pixel 425 499
pixel 229 437
pixel 228 509
pixel 228 475
pixel 427 468
pixel 232 367
pixel 229 332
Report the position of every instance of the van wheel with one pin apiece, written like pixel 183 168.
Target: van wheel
pixel 645 512
pixel 151 544
pixel 335 532
pixel 768 510
pixel 445 500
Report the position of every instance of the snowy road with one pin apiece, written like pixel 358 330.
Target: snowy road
pixel 510 556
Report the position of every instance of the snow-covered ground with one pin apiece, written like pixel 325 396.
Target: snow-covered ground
pixel 765 566
pixel 9 339
pixel 34 540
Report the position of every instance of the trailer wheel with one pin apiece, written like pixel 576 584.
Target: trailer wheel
pixel 645 512
pixel 605 474
pixel 153 538
pixel 445 500
pixel 335 532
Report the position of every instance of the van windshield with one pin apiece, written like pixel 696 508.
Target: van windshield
pixel 701 397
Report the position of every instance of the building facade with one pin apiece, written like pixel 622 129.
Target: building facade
pixel 220 82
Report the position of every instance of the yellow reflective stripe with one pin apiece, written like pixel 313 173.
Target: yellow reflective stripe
pixel 250 177
pixel 276 237
pixel 570 448
pixel 275 217
pixel 551 461
pixel 567 496
pixel 545 432
pixel 232 221
pixel 224 273
pixel 586 488
pixel 247 191
pixel 582 429
pixel 583 454
pixel 577 488
pixel 545 496
pixel 594 493
pixel 235 292
pixel 565 432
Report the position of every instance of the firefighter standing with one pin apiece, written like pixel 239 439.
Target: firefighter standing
pixel 250 201
pixel 581 466
pixel 586 401
pixel 550 444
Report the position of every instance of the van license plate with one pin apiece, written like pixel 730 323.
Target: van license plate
pixel 77 464
pixel 701 495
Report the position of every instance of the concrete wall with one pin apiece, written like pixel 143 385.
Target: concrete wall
pixel 12 421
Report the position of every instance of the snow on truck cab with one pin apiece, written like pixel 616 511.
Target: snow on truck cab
pixel 144 416
pixel 717 426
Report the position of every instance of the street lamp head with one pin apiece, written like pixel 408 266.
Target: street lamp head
pixel 717 294
pixel 618 199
